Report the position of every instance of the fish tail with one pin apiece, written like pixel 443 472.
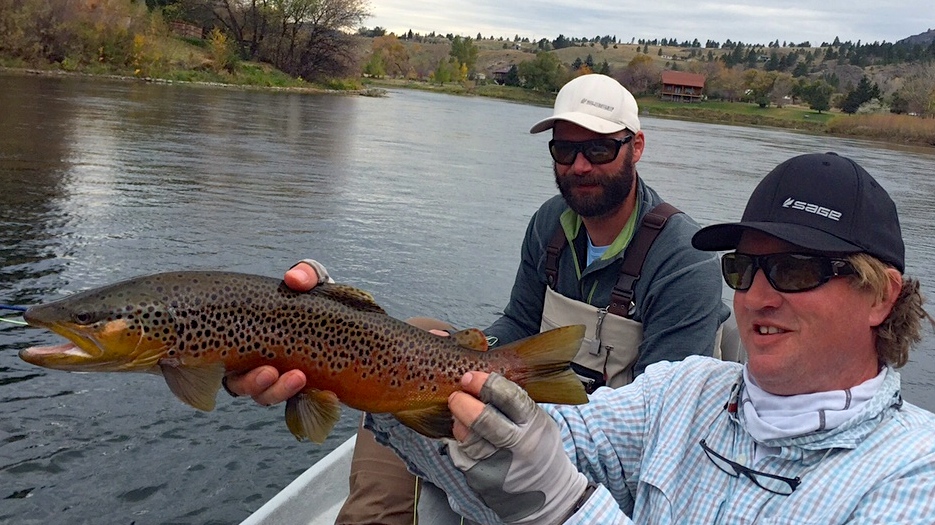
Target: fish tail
pixel 547 374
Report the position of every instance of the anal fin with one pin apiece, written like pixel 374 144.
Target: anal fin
pixel 312 414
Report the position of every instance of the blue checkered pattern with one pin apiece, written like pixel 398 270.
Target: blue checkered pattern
pixel 641 444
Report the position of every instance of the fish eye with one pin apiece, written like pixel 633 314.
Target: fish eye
pixel 83 317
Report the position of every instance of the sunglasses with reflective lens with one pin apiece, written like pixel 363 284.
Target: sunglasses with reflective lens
pixel 785 272
pixel 597 151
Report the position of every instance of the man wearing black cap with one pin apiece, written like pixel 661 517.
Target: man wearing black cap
pixel 812 429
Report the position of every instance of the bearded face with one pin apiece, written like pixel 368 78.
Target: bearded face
pixel 597 194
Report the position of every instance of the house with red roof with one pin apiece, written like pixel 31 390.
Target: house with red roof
pixel 681 86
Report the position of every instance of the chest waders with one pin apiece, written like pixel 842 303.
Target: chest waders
pixel 612 339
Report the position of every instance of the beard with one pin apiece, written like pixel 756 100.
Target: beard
pixel 615 188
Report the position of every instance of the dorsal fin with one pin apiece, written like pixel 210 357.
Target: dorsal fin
pixel 349 296
pixel 471 338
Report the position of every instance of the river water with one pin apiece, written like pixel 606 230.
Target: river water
pixel 421 199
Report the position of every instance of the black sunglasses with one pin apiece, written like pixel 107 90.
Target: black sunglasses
pixel 597 151
pixel 770 482
pixel 785 272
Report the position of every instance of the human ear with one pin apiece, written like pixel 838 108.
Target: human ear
pixel 883 305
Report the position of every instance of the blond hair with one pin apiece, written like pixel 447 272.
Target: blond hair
pixel 902 328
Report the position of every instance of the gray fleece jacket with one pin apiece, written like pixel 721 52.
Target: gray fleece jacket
pixel 678 295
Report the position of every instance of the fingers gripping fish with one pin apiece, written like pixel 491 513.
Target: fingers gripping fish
pixel 193 327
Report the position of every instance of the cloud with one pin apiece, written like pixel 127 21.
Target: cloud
pixel 751 22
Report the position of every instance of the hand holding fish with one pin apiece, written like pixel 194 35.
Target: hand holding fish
pixel 511 452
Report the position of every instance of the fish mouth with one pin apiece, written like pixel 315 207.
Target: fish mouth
pixel 80 352
pixel 68 349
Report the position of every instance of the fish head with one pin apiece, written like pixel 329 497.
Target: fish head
pixel 120 327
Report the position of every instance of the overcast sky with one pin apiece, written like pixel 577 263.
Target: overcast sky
pixel 753 21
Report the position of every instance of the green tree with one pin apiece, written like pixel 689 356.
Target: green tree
pixel 818 95
pixel 446 71
pixel 760 84
pixel 773 63
pixel 375 67
pixel 464 51
pixel 801 70
pixel 543 73
pixel 561 42
pixel 864 92
pixel 512 76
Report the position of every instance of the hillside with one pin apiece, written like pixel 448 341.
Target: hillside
pixel 496 54
pixel 923 39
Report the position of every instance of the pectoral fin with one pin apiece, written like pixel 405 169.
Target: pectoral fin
pixel 196 386
pixel 471 338
pixel 434 422
pixel 312 414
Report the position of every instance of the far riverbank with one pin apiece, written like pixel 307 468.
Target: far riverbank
pixel 890 128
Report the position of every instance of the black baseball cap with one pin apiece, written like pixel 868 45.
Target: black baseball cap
pixel 822 202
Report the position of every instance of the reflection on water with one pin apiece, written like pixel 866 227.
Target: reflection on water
pixel 421 199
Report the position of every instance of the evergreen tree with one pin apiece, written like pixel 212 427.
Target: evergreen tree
pixel 818 95
pixel 864 92
pixel 801 70
pixel 512 76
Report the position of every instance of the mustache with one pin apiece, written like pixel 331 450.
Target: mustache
pixel 577 180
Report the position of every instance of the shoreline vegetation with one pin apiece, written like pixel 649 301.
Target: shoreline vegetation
pixel 880 91
pixel 892 129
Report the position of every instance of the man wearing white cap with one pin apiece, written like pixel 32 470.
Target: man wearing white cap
pixel 624 266
pixel 607 253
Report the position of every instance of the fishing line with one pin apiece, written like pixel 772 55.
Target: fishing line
pixel 11 307
pixel 15 309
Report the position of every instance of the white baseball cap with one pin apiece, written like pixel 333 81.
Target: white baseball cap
pixel 595 102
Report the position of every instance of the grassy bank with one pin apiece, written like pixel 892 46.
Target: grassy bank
pixel 740 113
pixel 513 94
pixel 898 129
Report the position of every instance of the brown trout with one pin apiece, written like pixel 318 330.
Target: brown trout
pixel 193 327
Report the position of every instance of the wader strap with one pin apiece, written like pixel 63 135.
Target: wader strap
pixel 552 253
pixel 653 222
